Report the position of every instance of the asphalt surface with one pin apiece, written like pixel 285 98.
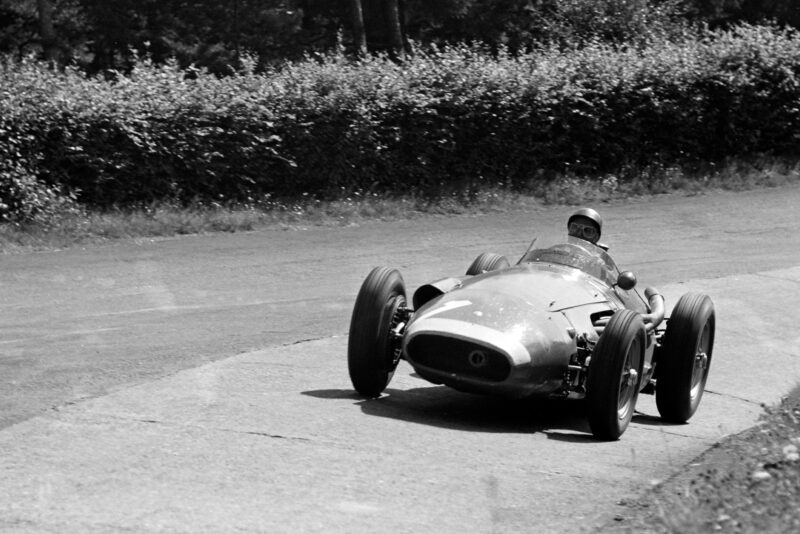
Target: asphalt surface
pixel 200 384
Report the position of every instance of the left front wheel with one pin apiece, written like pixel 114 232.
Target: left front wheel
pixel 615 370
pixel 372 351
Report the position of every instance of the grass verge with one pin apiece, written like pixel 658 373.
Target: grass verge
pixel 749 482
pixel 79 227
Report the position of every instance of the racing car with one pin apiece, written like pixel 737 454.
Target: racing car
pixel 563 322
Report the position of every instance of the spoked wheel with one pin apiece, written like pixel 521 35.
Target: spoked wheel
pixel 487 262
pixel 373 350
pixel 685 358
pixel 612 386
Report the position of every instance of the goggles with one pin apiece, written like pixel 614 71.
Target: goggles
pixel 587 232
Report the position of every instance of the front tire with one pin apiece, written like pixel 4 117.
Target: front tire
pixel 685 358
pixel 486 262
pixel 372 352
pixel 615 370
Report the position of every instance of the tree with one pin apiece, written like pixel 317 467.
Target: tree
pixel 781 11
pixel 384 27
pixel 46 30
pixel 394 28
pixel 357 25
pixel 53 29
pixel 18 27
pixel 101 34
pixel 206 33
pixel 723 12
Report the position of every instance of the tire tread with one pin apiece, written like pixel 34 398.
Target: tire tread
pixel 368 371
pixel 674 368
pixel 487 261
pixel 604 374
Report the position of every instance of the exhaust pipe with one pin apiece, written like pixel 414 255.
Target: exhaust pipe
pixel 651 320
pixel 656 315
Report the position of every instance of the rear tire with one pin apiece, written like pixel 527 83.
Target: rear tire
pixel 685 358
pixel 486 262
pixel 615 371
pixel 372 352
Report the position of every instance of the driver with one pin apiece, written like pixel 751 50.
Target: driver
pixel 586 224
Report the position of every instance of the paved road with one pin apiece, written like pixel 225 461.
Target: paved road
pixel 109 396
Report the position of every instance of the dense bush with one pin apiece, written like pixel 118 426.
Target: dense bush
pixel 449 120
pixel 25 199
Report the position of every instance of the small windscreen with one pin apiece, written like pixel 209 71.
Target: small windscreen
pixel 578 254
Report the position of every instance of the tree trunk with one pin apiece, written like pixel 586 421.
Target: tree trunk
pixel 394 29
pixel 404 28
pixel 46 30
pixel 383 27
pixel 359 33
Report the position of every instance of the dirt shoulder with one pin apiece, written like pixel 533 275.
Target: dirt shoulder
pixel 749 482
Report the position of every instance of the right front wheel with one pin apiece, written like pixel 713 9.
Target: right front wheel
pixel 685 358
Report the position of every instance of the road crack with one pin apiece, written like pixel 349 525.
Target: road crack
pixel 266 435
pixel 311 339
pixel 662 430
pixel 211 428
pixel 169 424
pixel 729 396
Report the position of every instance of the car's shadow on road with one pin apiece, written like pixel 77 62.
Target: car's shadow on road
pixel 447 408
pixel 653 420
pixel 440 406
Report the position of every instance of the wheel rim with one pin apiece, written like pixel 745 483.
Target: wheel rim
pixel 629 381
pixel 392 349
pixel 700 363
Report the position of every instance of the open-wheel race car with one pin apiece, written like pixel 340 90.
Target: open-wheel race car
pixel 562 322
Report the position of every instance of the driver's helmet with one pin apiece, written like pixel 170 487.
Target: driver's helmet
pixel 585 224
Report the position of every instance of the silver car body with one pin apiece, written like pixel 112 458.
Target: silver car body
pixel 519 331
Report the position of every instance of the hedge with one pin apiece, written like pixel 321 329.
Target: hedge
pixel 449 119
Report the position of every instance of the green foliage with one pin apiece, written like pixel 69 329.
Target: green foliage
pixel 451 120
pixel 25 199
pixel 208 33
pixel 726 12
pixel 100 34
pixel 24 116
pixel 518 24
